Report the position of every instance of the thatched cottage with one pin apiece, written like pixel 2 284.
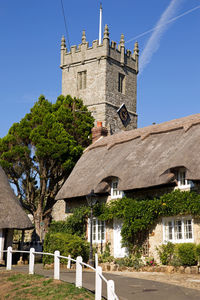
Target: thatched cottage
pixel 143 162
pixel 12 215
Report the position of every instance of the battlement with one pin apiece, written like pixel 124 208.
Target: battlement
pixel 107 50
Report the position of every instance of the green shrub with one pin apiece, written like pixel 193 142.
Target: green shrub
pixel 187 254
pixel 166 253
pixel 175 261
pixel 106 256
pixel 67 244
pixel 74 224
pixel 129 261
pixel 198 252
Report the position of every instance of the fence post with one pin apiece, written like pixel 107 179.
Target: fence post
pixel 9 259
pixel 79 272
pixel 31 261
pixel 56 265
pixel 98 284
pixel 110 290
pixel 69 262
pixel 96 260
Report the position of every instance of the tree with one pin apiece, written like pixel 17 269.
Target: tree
pixel 40 151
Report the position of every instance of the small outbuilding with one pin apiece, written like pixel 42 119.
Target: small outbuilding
pixel 12 215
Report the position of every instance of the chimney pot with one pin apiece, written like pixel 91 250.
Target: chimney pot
pixel 99 124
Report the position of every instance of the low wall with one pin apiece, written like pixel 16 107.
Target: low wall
pixel 165 269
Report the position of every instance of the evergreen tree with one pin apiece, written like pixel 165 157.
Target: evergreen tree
pixel 40 151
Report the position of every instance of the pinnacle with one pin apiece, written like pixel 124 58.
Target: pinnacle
pixel 83 37
pixel 106 32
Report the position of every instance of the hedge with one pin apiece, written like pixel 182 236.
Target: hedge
pixel 67 244
pixel 184 254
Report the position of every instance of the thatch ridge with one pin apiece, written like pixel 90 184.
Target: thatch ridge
pixel 124 136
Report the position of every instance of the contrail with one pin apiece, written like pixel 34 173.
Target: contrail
pixel 154 40
pixel 170 21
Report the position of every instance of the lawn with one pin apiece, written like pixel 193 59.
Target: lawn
pixel 22 287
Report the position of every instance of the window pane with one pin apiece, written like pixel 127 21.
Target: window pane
pixel 103 230
pixel 188 229
pixel 168 230
pixel 178 230
pixel 99 230
pixel 170 236
pixel 94 230
pixel 182 178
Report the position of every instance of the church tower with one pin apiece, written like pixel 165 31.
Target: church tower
pixel 104 76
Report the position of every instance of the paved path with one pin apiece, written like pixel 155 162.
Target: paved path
pixel 127 287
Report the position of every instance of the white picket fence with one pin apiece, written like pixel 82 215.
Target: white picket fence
pixel 79 270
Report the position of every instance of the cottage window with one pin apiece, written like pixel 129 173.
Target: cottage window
pixel 178 230
pixel 98 231
pixel 115 193
pixel 183 183
pixel 82 78
pixel 121 83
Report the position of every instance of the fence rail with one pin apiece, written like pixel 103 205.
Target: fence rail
pixel 111 295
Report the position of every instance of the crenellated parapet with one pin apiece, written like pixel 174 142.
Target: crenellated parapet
pixel 107 50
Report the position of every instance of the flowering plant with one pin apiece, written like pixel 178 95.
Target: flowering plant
pixel 150 262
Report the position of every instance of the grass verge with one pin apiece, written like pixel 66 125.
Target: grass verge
pixel 22 287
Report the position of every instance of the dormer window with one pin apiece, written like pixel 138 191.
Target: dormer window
pixel 183 183
pixel 115 193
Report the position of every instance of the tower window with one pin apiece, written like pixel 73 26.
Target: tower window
pixel 121 83
pixel 82 80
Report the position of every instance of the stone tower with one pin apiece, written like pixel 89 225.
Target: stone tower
pixel 104 76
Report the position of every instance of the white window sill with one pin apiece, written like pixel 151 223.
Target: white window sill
pixel 180 241
pixel 117 196
pixel 98 242
pixel 187 187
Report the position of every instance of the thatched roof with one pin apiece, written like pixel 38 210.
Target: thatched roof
pixel 140 158
pixel 12 214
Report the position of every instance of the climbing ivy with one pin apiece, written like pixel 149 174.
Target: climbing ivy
pixel 139 216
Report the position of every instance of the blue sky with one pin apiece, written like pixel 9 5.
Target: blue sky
pixel 31 31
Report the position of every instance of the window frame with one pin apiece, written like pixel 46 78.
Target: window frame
pixel 115 193
pixel 98 239
pixel 181 176
pixel 175 229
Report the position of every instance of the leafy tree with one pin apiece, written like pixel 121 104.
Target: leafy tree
pixel 40 151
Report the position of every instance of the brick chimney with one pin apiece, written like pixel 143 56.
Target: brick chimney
pixel 98 131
